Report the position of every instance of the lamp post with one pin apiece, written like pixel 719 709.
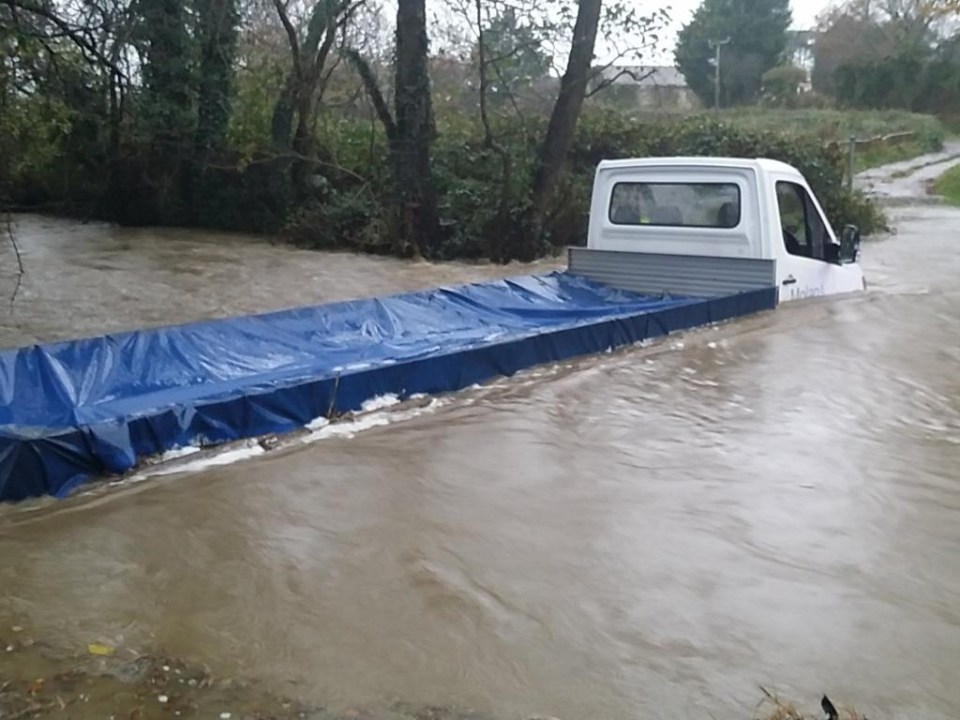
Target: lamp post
pixel 716 45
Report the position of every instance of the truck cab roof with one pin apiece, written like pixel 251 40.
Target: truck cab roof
pixel 763 165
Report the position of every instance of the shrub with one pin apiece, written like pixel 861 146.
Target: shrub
pixel 468 178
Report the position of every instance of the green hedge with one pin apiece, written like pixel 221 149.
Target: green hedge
pixel 350 211
pixel 350 205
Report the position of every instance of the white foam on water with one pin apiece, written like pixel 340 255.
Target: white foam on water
pixel 380 402
pixel 369 420
pixel 377 413
pixel 320 422
pixel 215 459
pixel 177 453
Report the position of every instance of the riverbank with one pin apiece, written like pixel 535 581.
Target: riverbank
pixel 947 185
pixel 350 203
pixel 103 681
pixel 909 182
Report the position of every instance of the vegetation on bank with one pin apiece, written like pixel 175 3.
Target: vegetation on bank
pixel 948 185
pixel 349 205
pixel 839 125
pixel 885 154
pixel 926 132
pixel 276 118
pixel 352 212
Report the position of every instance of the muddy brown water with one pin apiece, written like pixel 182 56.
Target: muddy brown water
pixel 649 534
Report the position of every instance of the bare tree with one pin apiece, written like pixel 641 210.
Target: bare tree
pixel 305 84
pixel 500 226
pixel 563 121
pixel 410 128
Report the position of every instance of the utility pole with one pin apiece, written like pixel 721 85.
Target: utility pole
pixel 716 45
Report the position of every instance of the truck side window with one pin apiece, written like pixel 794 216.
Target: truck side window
pixel 804 232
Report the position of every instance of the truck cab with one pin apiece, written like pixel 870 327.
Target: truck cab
pixel 710 226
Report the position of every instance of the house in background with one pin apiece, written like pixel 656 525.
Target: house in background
pixel 646 87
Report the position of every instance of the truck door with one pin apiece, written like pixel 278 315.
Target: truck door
pixel 804 270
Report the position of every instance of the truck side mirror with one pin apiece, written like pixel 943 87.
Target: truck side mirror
pixel 849 244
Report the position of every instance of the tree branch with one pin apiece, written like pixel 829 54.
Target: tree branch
pixel 373 91
pixel 338 59
pixel 329 38
pixel 488 140
pixel 624 72
pixel 75 34
pixel 510 95
pixel 8 220
pixel 516 51
pixel 266 158
pixel 292 38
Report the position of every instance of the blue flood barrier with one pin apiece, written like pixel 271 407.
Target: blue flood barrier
pixel 72 411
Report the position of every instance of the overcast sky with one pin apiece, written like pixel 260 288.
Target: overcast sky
pixel 804 15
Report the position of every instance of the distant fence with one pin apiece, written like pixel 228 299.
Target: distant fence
pixel 855 144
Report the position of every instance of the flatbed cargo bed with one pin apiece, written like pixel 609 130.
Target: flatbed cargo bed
pixel 74 411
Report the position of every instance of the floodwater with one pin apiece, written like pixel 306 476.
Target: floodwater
pixel 654 533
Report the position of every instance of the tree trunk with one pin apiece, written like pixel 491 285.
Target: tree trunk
pixel 282 119
pixel 166 72
pixel 302 87
pixel 414 131
pixel 291 98
pixel 218 43
pixel 499 228
pixel 563 122
pixel 168 111
pixel 303 138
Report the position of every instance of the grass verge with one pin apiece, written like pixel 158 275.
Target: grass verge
pixel 948 185
pixel 875 157
pixel 840 125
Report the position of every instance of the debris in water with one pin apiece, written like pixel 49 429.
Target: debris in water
pixel 36 686
pixel 225 716
pixel 100 649
pixel 829 708
pixel 163 699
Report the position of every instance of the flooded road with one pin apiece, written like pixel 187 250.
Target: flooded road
pixel 87 279
pixel 651 534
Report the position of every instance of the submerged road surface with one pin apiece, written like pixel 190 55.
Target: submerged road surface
pixel 649 534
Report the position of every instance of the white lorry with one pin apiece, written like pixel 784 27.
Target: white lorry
pixel 698 240
pixel 712 226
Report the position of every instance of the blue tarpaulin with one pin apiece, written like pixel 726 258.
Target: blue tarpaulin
pixel 71 411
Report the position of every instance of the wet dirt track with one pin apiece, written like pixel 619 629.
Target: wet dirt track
pixel 650 534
